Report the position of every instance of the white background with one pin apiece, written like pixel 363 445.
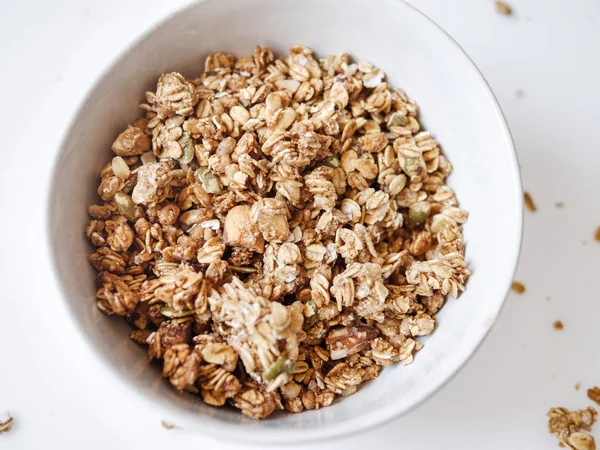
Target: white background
pixel 548 50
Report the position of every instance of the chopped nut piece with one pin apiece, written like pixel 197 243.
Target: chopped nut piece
pixel 131 142
pixel 517 287
pixel 240 231
pixel 343 342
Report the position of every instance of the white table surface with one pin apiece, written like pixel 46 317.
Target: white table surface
pixel 548 50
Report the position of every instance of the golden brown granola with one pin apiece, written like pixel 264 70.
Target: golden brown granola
pixel 277 230
pixel 597 234
pixel 6 422
pixel 503 8
pixel 567 426
pixel 594 394
pixel 517 287
pixel 558 325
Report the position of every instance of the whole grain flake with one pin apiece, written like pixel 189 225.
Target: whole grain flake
pixel 277 230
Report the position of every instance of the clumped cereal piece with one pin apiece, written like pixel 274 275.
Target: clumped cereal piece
pixel 529 203
pixel 558 325
pixel 594 394
pixel 567 425
pixel 6 422
pixel 277 230
pixel 517 287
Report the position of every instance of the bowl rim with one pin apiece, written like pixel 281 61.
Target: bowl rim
pixel 348 427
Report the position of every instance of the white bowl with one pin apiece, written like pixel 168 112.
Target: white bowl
pixel 457 107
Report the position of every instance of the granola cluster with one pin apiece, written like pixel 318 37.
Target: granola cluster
pixel 567 426
pixel 277 230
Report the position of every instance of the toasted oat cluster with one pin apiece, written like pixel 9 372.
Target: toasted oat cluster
pixel 277 230
pixel 567 426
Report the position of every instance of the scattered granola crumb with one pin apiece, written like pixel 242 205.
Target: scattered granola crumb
pixel 529 202
pixel 594 394
pixel 567 425
pixel 597 234
pixel 6 422
pixel 518 287
pixel 559 204
pixel 520 93
pixel 503 8
pixel 577 386
pixel 167 425
pixel 558 325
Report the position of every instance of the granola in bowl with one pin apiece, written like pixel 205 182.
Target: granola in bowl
pixel 277 230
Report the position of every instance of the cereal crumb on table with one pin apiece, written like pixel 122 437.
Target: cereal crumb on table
pixel 577 386
pixel 560 204
pixel 594 394
pixel 597 234
pixel 517 287
pixel 277 230
pixel 558 325
pixel 6 422
pixel 529 202
pixel 166 425
pixel 503 8
pixel 520 93
pixel 567 426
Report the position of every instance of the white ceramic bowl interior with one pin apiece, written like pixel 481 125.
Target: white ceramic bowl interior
pixel 457 106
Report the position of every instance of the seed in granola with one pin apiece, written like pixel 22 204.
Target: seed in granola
pixel 503 8
pixel 594 394
pixel 418 214
pixel 282 365
pixel 517 287
pixel 529 202
pixel 558 325
pixel 210 182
